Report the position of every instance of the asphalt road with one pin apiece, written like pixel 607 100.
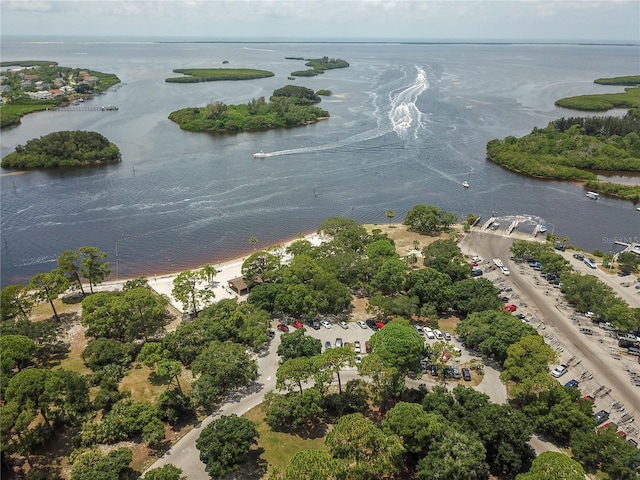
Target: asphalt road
pixel 597 355
pixel 184 453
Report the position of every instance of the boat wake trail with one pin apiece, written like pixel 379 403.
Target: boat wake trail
pixel 405 119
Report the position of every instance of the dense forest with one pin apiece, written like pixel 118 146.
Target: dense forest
pixel 63 149
pixel 288 106
pixel 576 148
pixel 81 411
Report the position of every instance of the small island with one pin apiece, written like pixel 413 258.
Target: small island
pixel 288 106
pixel 318 66
pixel 37 85
pixel 196 75
pixel 63 149
pixel 602 102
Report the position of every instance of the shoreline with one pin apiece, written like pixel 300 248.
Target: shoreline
pixel 222 260
pixel 227 268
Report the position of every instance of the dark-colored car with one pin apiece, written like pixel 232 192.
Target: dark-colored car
pixel 372 325
pixel 466 374
pixel 448 372
pixel 434 370
pixel 423 366
pixel 282 327
pixel 572 384
pixel 601 417
pixel 315 325
pixel 578 256
pixel 476 272
pixel 327 345
pixel 271 334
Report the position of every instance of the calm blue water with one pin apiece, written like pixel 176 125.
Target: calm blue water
pixel 409 123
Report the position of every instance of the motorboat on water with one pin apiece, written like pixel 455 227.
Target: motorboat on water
pixel 465 184
pixel 260 154
pixel 542 229
pixel 592 195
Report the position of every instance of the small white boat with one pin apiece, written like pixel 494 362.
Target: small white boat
pixel 465 184
pixel 542 229
pixel 638 208
pixel 260 154
pixel 592 195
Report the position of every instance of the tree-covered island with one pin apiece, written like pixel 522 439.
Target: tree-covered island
pixel 601 102
pixel 577 148
pixel 288 106
pixel 318 66
pixel 196 75
pixel 63 149
pixel 34 85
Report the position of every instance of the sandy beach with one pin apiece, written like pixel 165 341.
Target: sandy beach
pixel 227 270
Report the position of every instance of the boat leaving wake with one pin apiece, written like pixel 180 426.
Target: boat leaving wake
pixel 404 117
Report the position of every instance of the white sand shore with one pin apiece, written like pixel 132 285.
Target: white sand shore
pixel 231 269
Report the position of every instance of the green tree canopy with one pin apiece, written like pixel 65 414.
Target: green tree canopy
pixel 553 465
pixel 366 450
pixel 225 443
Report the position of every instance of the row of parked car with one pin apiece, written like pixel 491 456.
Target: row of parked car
pixel 448 371
pixel 432 334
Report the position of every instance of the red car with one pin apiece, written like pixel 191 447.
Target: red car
pixel 380 324
pixel 283 328
pixel 298 325
pixel 509 308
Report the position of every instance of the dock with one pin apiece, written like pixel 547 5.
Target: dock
pixel 74 108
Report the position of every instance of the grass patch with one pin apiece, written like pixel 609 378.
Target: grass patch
pixel 279 447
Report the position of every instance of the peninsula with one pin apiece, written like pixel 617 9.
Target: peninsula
pixel 36 85
pixel 577 149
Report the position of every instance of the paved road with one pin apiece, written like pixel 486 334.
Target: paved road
pixel 184 453
pixel 593 353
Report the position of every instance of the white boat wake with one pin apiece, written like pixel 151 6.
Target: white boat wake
pixel 403 115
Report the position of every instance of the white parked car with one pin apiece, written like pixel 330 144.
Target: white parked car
pixel 358 359
pixel 356 346
pixel 344 325
pixel 438 334
pixel 476 259
pixel 430 335
pixel 418 329
pixel 362 324
pixel 559 370
pixel 325 324
pixel 505 270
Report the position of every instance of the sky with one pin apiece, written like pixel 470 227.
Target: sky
pixel 264 20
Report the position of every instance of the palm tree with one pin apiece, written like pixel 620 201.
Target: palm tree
pixel 564 240
pixel 209 271
pixel 390 214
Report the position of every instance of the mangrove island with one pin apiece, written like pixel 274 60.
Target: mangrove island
pixel 63 149
pixel 288 106
pixel 196 75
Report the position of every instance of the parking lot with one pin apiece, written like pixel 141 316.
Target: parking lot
pixel 604 372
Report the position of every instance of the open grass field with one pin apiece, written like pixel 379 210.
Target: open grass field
pixel 280 447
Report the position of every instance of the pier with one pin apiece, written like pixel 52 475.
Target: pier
pixel 74 108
